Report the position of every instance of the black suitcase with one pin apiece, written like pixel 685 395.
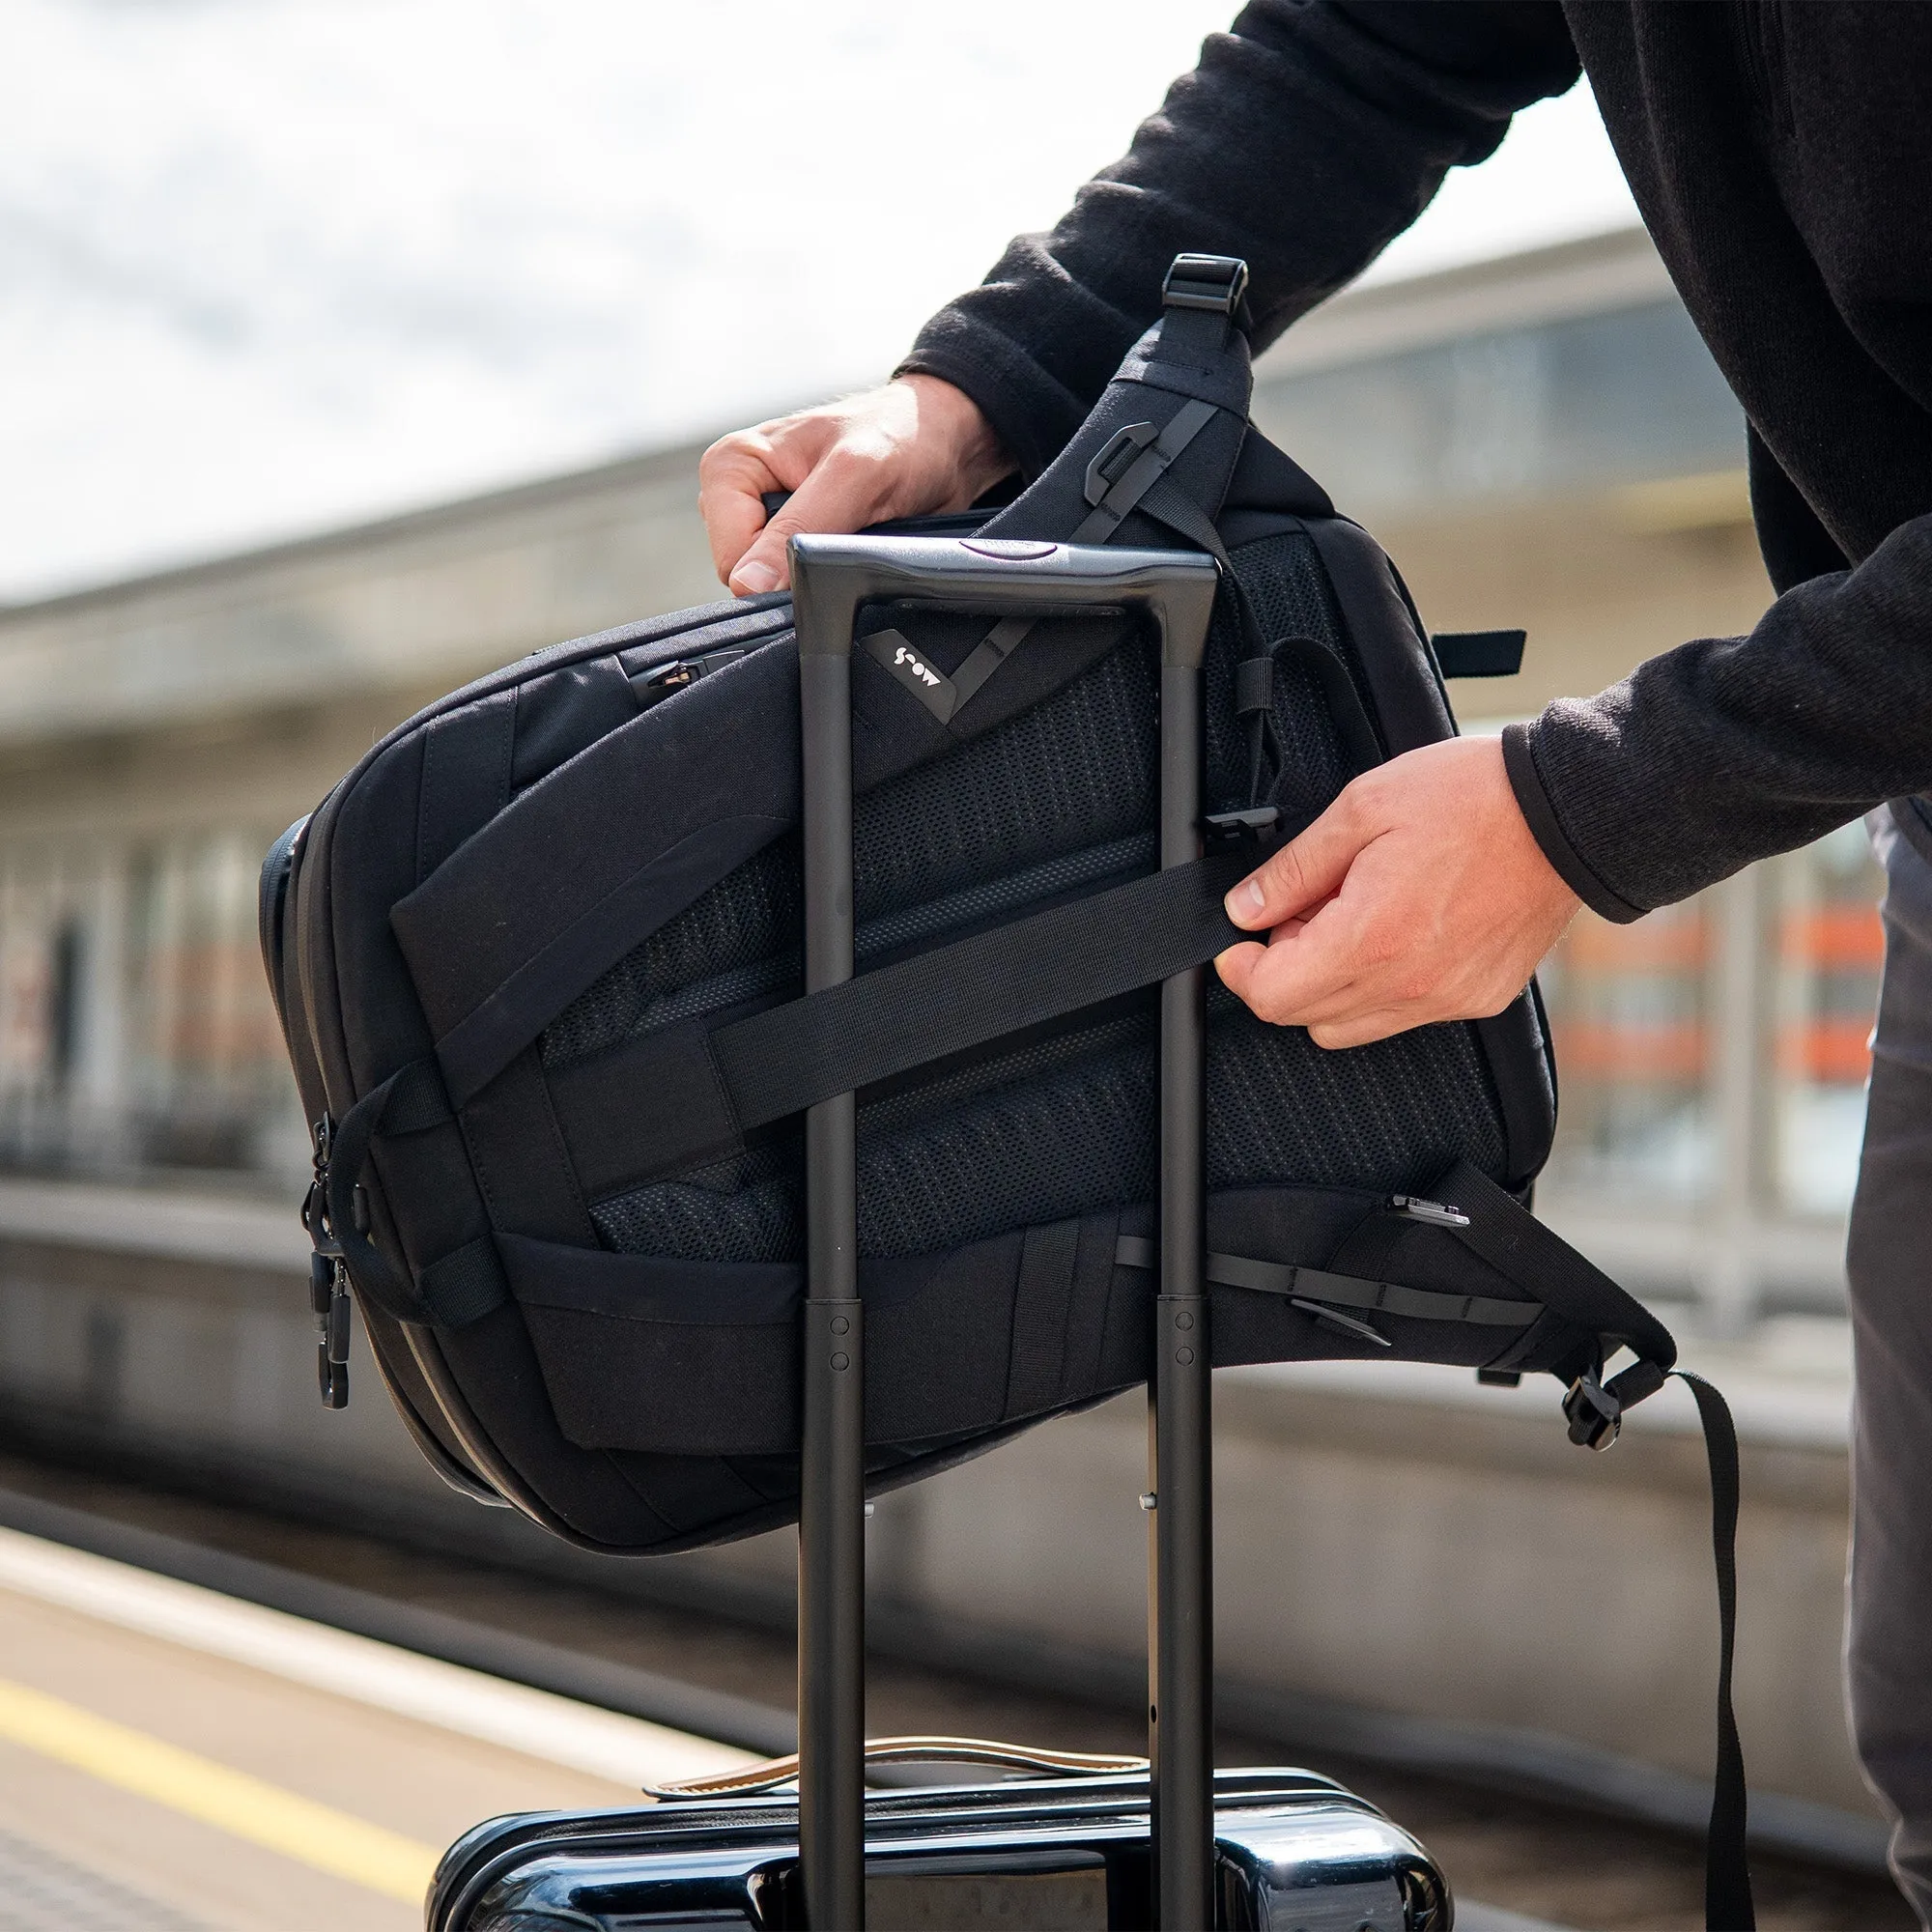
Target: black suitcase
pixel 1163 1842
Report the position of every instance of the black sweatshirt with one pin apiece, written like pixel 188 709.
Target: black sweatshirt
pixel 1782 153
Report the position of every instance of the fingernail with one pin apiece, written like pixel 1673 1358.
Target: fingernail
pixel 753 580
pixel 1245 902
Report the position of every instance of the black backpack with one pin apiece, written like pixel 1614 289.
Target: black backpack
pixel 538 961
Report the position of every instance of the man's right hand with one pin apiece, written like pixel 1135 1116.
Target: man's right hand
pixel 913 447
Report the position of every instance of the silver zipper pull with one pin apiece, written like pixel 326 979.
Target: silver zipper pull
pixel 1436 1212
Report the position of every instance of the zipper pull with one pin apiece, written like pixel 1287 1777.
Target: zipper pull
pixel 334 1321
pixel 655 686
pixel 1438 1213
pixel 328 1278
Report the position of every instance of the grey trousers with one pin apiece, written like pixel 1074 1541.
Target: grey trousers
pixel 1888 1622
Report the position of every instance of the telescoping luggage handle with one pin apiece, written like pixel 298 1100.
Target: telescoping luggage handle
pixel 832 577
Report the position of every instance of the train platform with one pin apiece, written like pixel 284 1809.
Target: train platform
pixel 175 1760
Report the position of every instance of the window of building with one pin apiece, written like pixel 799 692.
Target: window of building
pixel 136 1029
pixel 1628 1008
pixel 209 1077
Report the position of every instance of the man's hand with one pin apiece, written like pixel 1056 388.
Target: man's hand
pixel 916 446
pixel 1418 895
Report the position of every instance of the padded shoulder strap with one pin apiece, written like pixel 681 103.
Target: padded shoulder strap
pixel 1514 1242
pixel 1176 410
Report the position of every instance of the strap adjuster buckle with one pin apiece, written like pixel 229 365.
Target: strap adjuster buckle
pixel 1596 1417
pixel 1212 282
pixel 1224 829
pixel 1123 449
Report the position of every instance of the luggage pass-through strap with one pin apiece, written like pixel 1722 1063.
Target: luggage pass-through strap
pixel 710 1086
pixel 976 990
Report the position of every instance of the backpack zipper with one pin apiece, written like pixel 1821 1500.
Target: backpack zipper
pixel 327 1277
pixel 662 681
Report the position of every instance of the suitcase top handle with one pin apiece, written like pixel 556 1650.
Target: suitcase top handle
pixel 832 576
pixel 778 1771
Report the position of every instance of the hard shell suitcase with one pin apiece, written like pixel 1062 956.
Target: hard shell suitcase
pixel 1291 1851
pixel 1161 1842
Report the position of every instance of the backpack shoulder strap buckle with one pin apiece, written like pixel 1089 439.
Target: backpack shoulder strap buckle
pixel 1216 283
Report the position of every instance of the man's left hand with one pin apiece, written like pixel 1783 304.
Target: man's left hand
pixel 1418 895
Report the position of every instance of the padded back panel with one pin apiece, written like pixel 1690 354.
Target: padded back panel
pixel 1042 1130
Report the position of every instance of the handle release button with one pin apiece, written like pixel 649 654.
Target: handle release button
pixel 1007 550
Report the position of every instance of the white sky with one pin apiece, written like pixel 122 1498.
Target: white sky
pixel 267 265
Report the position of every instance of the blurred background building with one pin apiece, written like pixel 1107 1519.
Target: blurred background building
pixel 1539 439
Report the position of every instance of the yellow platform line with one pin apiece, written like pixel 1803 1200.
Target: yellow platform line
pixel 248 1807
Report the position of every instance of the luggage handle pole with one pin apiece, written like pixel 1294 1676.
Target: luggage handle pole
pixel 832 577
pixel 832 1496
pixel 1181 1614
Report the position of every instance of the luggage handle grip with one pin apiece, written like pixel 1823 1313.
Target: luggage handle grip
pixel 778 1771
pixel 832 576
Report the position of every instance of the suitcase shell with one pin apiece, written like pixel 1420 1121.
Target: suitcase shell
pixel 1295 1852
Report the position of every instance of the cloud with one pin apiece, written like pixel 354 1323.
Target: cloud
pixel 272 265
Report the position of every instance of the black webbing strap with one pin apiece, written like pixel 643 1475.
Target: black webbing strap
pixel 453 1291
pixel 1727 1886
pixel 462 1287
pixel 955 997
pixel 988 655
pixel 1727 1890
pixel 1172 505
pixel 1318 1284
pixel 1157 455
pixel 1500 1230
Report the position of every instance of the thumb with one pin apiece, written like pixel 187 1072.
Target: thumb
pixel 1305 871
pixel 837 496
pixel 765 566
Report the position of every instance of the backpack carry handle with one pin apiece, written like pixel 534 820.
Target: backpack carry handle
pixel 832 577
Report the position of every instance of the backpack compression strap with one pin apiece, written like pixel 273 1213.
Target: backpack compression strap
pixel 714 1084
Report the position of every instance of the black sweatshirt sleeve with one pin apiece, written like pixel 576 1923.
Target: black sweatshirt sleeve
pixel 1309 135
pixel 1729 749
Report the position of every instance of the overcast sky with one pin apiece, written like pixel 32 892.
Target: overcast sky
pixel 267 265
